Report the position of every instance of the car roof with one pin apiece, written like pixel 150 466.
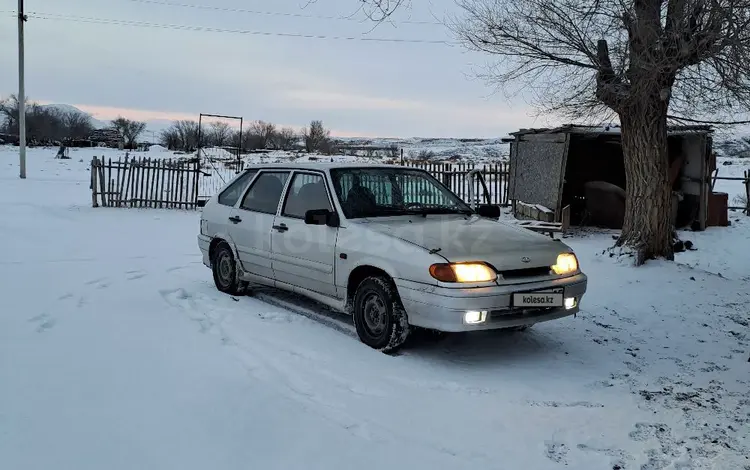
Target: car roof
pixel 323 166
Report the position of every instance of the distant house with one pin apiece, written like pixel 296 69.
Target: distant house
pixel 107 137
pixel 144 146
pixel 8 139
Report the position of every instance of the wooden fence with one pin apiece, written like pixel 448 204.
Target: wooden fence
pixel 496 176
pixel 180 183
pixel 745 179
pixel 145 182
pixel 451 174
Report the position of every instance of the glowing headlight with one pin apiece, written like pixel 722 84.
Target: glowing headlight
pixel 566 264
pixel 462 272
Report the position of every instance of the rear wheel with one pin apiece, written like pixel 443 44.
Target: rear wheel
pixel 224 268
pixel 379 316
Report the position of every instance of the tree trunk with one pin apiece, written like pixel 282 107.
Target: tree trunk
pixel 647 228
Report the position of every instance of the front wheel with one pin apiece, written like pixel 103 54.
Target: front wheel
pixel 379 316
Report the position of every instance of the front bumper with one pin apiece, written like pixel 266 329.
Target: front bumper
pixel 443 309
pixel 204 242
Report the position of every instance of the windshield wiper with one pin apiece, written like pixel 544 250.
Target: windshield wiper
pixel 440 210
pixel 423 211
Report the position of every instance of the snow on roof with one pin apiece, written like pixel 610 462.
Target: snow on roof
pixel 613 129
pixel 325 165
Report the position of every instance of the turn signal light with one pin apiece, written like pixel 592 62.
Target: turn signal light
pixel 462 272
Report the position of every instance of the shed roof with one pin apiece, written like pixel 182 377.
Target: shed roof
pixel 613 129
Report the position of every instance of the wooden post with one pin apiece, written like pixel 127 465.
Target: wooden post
pixel 565 218
pixel 110 186
pixel 160 192
pixel 196 183
pixel 139 173
pixel 129 183
pixel 747 192
pixel 103 183
pixel 94 164
pixel 121 184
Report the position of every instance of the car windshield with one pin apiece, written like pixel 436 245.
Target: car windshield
pixel 379 192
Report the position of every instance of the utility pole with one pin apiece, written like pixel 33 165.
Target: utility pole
pixel 21 94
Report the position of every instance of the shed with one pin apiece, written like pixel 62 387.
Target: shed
pixel 577 173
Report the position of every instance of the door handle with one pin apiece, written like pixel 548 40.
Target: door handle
pixel 281 227
pixel 235 220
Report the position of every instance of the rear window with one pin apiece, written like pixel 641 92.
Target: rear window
pixel 234 191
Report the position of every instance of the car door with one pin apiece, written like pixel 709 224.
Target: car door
pixel 251 222
pixel 216 216
pixel 303 254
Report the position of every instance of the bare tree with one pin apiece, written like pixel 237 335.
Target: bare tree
pixel 638 59
pixel 261 133
pixel 182 135
pixel 78 125
pixel 129 130
pixel 246 142
pixel 285 139
pixel 9 114
pixel 170 138
pixel 44 124
pixel 219 134
pixel 316 136
pixel 379 10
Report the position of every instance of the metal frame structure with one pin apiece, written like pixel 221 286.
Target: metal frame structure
pixel 200 133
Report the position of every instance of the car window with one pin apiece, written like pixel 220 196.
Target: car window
pixel 379 192
pixel 233 192
pixel 379 184
pixel 307 192
pixel 418 190
pixel 265 193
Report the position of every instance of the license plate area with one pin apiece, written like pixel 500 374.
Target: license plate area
pixel 544 298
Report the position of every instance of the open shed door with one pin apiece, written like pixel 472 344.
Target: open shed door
pixel 538 169
pixel 705 191
pixel 696 180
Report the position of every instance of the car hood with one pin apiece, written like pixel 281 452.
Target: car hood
pixel 458 238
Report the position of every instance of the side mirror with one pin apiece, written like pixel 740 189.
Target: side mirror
pixel 322 217
pixel 491 211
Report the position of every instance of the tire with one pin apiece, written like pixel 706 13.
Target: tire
pixel 225 273
pixel 379 316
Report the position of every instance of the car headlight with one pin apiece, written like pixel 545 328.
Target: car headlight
pixel 566 263
pixel 463 272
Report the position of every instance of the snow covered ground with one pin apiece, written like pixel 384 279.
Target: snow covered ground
pixel 117 352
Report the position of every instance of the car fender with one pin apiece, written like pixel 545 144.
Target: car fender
pixel 229 241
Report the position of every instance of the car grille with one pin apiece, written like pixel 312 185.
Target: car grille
pixel 525 272
pixel 518 313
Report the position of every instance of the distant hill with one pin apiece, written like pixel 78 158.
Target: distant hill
pixel 733 147
pixel 67 108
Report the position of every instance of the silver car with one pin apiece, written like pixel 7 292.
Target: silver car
pixel 390 245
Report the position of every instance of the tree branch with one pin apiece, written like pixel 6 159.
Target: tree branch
pixel 699 121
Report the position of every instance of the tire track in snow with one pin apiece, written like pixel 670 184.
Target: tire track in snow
pixel 297 376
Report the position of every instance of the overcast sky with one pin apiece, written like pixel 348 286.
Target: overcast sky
pixel 357 88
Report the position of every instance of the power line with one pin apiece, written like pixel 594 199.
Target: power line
pixel 271 13
pixel 143 24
